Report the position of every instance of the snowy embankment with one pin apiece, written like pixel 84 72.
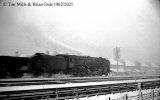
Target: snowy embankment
pixel 148 94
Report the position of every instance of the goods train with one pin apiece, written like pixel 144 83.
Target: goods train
pixel 40 64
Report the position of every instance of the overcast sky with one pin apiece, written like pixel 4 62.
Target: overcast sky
pixel 93 27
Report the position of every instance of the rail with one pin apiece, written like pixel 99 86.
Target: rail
pixel 37 81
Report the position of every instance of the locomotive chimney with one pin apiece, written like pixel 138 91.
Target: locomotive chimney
pixel 47 52
pixel 16 53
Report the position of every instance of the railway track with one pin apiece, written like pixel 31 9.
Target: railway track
pixel 41 81
pixel 72 88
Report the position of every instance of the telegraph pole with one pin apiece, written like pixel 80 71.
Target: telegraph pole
pixel 117 55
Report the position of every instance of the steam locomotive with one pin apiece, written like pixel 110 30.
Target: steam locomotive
pixel 40 64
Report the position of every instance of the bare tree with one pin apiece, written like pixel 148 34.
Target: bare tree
pixel 123 62
pixel 149 64
pixel 137 63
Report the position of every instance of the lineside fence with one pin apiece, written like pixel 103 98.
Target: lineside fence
pixel 145 89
